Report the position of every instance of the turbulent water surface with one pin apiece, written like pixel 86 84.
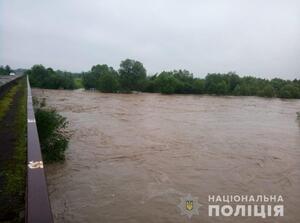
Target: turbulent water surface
pixel 133 156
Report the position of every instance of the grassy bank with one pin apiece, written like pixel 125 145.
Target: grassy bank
pixel 6 101
pixel 13 165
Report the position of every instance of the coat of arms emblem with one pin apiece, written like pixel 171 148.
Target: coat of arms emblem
pixel 189 205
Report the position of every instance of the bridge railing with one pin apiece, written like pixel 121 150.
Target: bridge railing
pixel 38 207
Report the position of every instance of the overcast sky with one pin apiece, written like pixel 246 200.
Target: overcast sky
pixel 251 37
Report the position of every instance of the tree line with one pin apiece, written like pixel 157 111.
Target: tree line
pixel 5 70
pixel 42 77
pixel 132 76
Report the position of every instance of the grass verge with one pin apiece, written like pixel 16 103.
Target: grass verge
pixel 6 101
pixel 13 171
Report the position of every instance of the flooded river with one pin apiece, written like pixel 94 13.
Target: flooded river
pixel 132 157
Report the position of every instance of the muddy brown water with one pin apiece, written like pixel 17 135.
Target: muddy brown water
pixel 133 156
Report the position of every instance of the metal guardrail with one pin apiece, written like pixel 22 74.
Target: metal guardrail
pixel 38 209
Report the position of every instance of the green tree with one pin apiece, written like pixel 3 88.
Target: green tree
pixel 89 80
pixel 233 81
pixel 198 86
pixel 108 83
pixel 289 91
pixel 244 89
pixel 101 77
pixel 8 69
pixel 150 84
pixel 167 83
pixel 42 77
pixel 184 81
pixel 132 75
pixel 211 83
pixel 216 84
pixel 39 76
pixel 277 84
pixel 267 91
pixel 67 80
pixel 5 70
pixel 221 88
pixel 237 90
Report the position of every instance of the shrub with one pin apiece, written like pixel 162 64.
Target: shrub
pixel 53 133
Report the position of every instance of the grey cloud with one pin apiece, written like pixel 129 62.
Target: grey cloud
pixel 251 37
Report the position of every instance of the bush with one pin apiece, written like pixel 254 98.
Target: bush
pixel 53 134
